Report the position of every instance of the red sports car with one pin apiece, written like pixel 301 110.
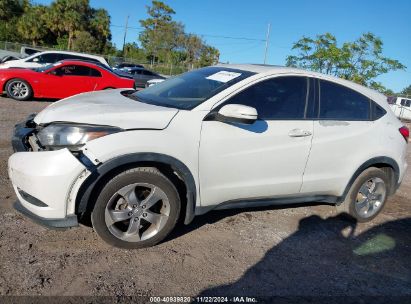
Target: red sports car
pixel 60 80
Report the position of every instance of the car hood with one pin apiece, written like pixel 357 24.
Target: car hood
pixel 13 63
pixel 109 108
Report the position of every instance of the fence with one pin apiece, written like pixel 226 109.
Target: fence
pixel 162 68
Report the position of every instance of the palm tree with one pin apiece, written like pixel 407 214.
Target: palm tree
pixel 31 25
pixel 65 17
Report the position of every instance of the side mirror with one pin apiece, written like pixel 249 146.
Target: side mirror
pixel 237 113
pixel 35 59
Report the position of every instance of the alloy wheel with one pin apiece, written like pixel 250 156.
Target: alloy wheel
pixel 19 89
pixel 370 197
pixel 137 212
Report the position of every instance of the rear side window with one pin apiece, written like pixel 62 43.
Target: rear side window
pixel 148 73
pixel 280 98
pixel 45 58
pixel 406 102
pixel 94 73
pixel 75 57
pixel 340 103
pixel 74 70
pixel 378 111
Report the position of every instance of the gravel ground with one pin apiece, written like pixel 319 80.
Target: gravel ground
pixel 306 251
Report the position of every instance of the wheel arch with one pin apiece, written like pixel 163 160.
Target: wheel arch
pixel 87 194
pixel 382 162
pixel 19 78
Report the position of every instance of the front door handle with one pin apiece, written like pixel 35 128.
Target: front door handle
pixel 299 133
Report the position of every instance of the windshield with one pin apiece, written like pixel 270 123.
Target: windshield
pixel 46 67
pixel 190 89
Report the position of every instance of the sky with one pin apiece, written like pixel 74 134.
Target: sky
pixel 289 19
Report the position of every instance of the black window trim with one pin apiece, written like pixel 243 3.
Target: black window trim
pixel 233 94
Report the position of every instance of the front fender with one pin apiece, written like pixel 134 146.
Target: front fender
pixel 85 197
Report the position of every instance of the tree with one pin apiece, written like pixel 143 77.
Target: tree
pixel 10 12
pixel 65 17
pixel 132 51
pixel 193 46
pixel 83 41
pixel 32 26
pixel 160 33
pixel 12 8
pixel 164 40
pixel 360 61
pixel 99 27
pixel 209 56
pixel 407 91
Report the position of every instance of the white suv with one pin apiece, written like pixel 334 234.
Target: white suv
pixel 43 58
pixel 219 137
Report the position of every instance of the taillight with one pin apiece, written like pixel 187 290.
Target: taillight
pixel 405 132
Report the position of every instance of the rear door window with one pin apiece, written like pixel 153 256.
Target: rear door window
pixel 341 103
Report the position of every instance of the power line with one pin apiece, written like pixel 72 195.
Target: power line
pixel 200 34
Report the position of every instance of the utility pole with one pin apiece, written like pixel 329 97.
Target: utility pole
pixel 125 34
pixel 267 40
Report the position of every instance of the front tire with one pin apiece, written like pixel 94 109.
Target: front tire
pixel 367 195
pixel 137 208
pixel 19 89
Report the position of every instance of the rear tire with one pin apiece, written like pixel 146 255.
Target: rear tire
pixel 19 89
pixel 367 195
pixel 137 208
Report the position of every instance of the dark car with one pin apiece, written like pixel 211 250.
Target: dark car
pixel 141 76
pixel 8 58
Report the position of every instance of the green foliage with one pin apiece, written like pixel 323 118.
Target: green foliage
pixel 10 9
pixel 10 12
pixel 32 25
pixel 67 17
pixel 360 61
pixel 132 51
pixel 165 41
pixel 65 24
pixel 209 56
pixel 74 25
pixel 84 42
pixel 406 92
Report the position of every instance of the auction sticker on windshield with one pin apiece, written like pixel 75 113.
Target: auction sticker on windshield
pixel 223 76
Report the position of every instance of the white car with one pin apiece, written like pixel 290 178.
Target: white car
pixel 219 137
pixel 401 106
pixel 40 59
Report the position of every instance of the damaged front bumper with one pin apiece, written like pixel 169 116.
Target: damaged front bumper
pixel 43 181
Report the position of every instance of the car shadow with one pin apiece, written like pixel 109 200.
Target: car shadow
pixel 325 261
pixel 215 216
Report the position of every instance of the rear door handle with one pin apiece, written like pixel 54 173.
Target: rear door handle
pixel 299 133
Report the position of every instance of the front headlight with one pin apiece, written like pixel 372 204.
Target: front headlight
pixel 72 136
